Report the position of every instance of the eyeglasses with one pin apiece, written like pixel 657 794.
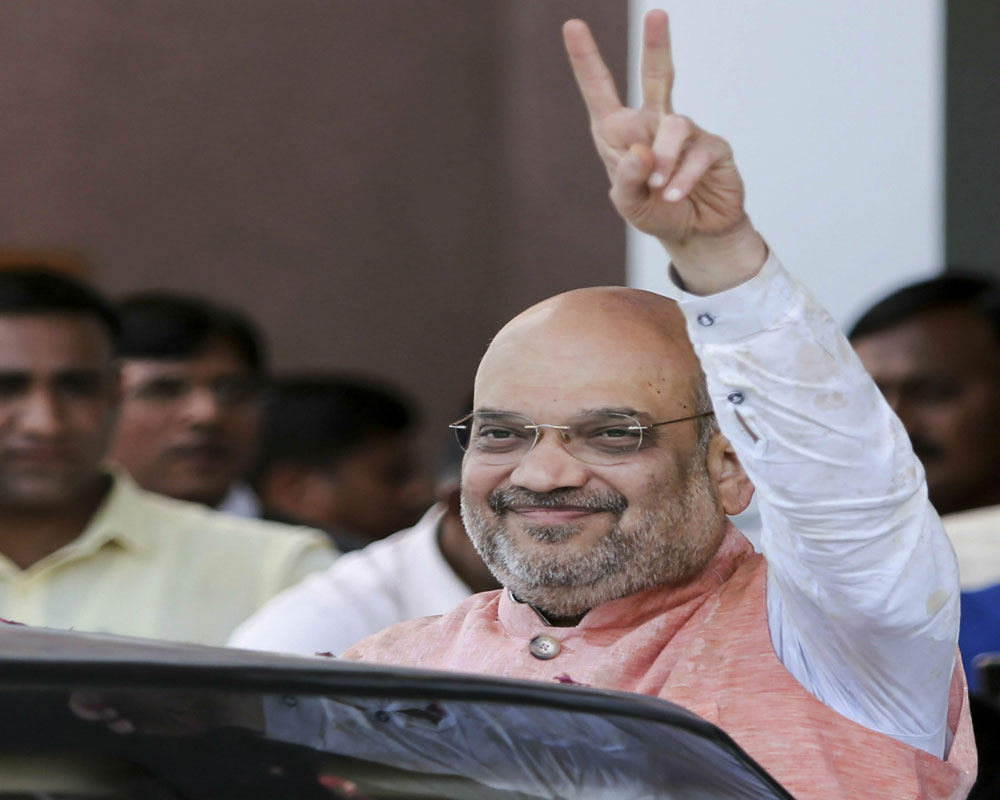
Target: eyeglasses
pixel 601 439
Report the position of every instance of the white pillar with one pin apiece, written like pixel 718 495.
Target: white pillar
pixel 836 114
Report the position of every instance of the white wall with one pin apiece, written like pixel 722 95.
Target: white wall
pixel 835 111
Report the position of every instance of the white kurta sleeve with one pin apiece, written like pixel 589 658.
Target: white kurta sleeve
pixel 863 595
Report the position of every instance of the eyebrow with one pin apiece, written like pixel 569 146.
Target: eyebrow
pixel 59 373
pixel 626 410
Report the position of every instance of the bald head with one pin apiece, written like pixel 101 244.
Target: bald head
pixel 592 345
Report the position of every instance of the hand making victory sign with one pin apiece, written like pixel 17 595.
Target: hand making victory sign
pixel 669 178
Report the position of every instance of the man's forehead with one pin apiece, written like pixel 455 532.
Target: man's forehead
pixel 601 305
pixel 218 357
pixel 593 347
pixel 46 341
pixel 953 337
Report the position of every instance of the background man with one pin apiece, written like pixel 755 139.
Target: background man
pixel 596 487
pixel 338 454
pixel 933 348
pixel 84 548
pixel 192 375
pixel 426 569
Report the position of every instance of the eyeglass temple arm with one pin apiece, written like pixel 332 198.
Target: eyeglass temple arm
pixel 681 419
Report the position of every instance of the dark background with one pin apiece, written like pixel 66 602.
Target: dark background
pixel 972 194
pixel 380 183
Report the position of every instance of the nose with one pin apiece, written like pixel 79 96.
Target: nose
pixel 42 414
pixel 548 466
pixel 201 406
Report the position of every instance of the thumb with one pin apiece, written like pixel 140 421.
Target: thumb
pixel 630 184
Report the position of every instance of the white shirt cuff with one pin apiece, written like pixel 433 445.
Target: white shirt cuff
pixel 752 307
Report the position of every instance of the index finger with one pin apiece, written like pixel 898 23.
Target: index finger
pixel 657 63
pixel 592 75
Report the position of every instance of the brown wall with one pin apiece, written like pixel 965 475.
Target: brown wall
pixel 381 183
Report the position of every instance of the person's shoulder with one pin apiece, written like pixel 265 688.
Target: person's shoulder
pixel 974 521
pixel 401 642
pixel 975 536
pixel 169 516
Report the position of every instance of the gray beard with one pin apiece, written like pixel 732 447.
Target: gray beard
pixel 665 545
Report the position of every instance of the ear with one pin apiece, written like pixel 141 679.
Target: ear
pixel 732 486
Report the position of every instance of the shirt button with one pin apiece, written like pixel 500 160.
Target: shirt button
pixel 544 647
pixel 705 320
pixel 735 398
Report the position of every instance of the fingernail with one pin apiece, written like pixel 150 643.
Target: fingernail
pixel 121 727
pixel 672 195
pixel 656 180
pixel 633 153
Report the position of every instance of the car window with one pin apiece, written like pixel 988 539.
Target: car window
pixel 127 741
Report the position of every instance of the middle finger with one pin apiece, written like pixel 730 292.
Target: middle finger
pixel 657 64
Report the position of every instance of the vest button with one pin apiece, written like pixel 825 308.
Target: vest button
pixel 544 647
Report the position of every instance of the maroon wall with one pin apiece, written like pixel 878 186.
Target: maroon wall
pixel 381 183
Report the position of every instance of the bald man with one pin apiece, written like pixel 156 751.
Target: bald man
pixel 601 465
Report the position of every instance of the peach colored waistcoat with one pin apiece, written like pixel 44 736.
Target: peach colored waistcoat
pixel 708 648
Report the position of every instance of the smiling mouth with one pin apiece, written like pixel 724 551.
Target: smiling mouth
pixel 554 515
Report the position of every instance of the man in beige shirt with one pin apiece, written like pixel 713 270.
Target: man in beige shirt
pixel 84 548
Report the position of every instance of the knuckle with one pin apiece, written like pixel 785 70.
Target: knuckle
pixel 680 124
pixel 720 145
pixel 701 158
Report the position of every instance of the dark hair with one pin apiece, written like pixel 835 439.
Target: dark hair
pixel 164 325
pixel 38 289
pixel 320 420
pixel 954 289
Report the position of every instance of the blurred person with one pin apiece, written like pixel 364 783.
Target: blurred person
pixel 83 547
pixel 933 348
pixel 192 379
pixel 337 453
pixel 613 431
pixel 424 570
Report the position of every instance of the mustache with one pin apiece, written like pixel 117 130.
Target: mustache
pixel 925 449
pixel 502 500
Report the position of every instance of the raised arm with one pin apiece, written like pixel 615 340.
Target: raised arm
pixel 862 585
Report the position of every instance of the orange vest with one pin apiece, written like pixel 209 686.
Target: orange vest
pixel 706 646
pixel 738 683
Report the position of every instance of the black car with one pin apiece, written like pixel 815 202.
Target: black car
pixel 88 715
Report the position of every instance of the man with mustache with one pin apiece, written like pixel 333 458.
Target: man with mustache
pixel 192 379
pixel 933 348
pixel 601 464
pixel 82 546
